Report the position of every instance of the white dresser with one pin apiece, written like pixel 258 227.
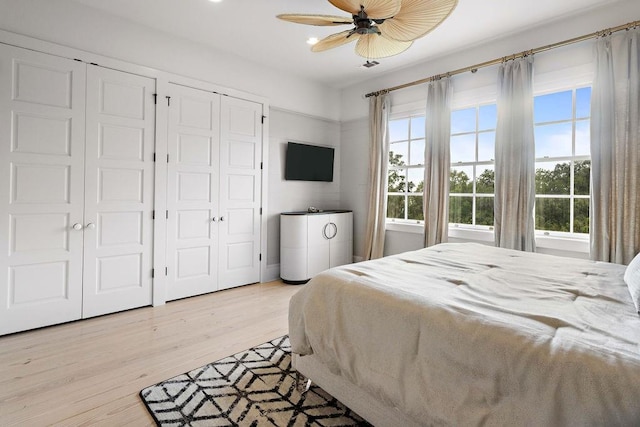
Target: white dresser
pixel 313 242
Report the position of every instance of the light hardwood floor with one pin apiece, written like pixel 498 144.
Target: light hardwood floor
pixel 91 371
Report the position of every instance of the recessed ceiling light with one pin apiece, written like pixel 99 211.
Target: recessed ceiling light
pixel 215 1
pixel 312 40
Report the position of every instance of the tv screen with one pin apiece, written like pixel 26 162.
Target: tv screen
pixel 308 163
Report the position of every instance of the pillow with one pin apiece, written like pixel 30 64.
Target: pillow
pixel 632 279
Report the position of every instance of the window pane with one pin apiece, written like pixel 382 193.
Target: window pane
pixel 553 140
pixel 398 130
pixel 581 216
pixel 463 120
pixel 553 107
pixel 397 182
pixel 416 180
pixel 486 146
pixel 417 152
pixel 552 214
pixel 461 179
pixel 582 178
pixel 460 209
pixel 484 211
pixel 488 117
pixel 417 127
pixel 463 148
pixel 485 181
pixel 398 153
pixel 553 178
pixel 583 138
pixel 395 207
pixel 583 102
pixel 415 208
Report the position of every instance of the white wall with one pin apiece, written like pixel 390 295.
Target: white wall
pixel 574 59
pixel 74 25
pixel 286 196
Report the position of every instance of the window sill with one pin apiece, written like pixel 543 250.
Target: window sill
pixel 578 244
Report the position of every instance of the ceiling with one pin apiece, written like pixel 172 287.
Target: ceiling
pixel 249 29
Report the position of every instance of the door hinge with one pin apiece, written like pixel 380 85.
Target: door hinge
pixel 168 101
pixel 154 157
pixel 261 165
pixel 153 214
pixel 155 98
pixel 153 272
pixel 167 158
pixel 167 214
pixel 260 211
pixel 166 271
pixel 93 63
pixel 260 257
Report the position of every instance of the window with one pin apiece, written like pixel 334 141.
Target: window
pixel 406 168
pixel 472 176
pixel 563 162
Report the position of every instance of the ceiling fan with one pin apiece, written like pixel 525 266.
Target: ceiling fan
pixel 382 27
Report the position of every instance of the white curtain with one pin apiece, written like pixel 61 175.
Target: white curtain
pixel 615 149
pixel 378 164
pixel 515 157
pixel 437 162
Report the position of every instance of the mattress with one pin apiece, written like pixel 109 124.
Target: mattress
pixel 467 334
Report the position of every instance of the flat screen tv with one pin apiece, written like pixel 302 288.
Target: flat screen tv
pixel 308 163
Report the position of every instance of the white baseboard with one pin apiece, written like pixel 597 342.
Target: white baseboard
pixel 272 273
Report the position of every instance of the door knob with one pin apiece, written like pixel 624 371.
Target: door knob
pixel 221 218
pixel 91 226
pixel 77 226
pixel 214 219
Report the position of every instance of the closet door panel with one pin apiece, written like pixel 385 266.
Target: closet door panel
pixel 192 193
pixel 42 107
pixel 240 184
pixel 118 226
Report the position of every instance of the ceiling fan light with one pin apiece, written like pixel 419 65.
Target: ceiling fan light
pixel 312 40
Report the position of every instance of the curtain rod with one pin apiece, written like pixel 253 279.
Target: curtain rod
pixel 474 68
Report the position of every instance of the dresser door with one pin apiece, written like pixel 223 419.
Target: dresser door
pixel 42 108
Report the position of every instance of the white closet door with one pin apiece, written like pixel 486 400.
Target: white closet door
pixel 240 191
pixel 118 223
pixel 41 189
pixel 192 193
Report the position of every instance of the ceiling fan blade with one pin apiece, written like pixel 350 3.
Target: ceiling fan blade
pixel 416 18
pixel 323 20
pixel 373 46
pixel 375 9
pixel 335 40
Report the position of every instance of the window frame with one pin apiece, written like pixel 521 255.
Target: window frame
pixel 409 114
pixel 572 159
pixel 473 164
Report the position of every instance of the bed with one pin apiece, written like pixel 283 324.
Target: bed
pixel 467 334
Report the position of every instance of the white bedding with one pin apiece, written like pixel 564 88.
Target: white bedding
pixel 465 334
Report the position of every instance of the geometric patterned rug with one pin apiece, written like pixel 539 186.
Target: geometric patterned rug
pixel 256 387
